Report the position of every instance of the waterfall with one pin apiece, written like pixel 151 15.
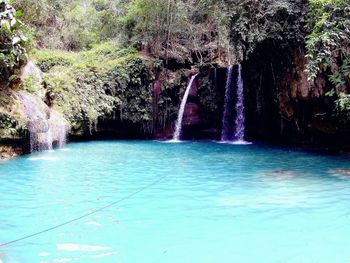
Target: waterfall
pixel 225 133
pixel 177 133
pixel 233 131
pixel 240 118
pixel 58 129
pixel 45 125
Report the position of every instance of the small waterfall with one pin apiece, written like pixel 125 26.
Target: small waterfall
pixel 49 140
pixel 177 133
pixel 45 126
pixel 58 129
pixel 226 127
pixel 240 118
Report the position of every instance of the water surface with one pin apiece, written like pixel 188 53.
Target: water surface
pixel 214 203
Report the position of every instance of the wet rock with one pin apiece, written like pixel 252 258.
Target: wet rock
pixel 44 124
pixel 191 115
pixel 194 89
pixel 8 152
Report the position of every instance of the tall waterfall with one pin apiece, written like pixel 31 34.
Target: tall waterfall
pixel 226 120
pixel 177 133
pixel 45 125
pixel 240 118
pixel 233 131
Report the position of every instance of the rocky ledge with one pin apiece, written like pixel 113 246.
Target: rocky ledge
pixel 8 152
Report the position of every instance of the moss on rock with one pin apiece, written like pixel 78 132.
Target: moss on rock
pixel 12 120
pixel 103 82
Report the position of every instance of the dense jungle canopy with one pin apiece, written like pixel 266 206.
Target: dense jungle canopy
pixel 197 31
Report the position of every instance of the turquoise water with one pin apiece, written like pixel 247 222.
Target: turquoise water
pixel 214 203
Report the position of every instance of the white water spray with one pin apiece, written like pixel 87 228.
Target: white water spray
pixel 177 133
pixel 45 125
pixel 233 132
pixel 240 118
pixel 226 116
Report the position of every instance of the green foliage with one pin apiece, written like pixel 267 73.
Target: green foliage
pixel 12 41
pixel 101 78
pixel 47 59
pixel 342 107
pixel 328 49
pixel 208 96
pixel 79 94
pixel 168 103
pixel 328 43
pixel 134 97
pixel 9 127
pixel 102 82
pixel 277 21
pixel 103 56
pixel 341 76
pixel 187 31
pixel 70 24
pixel 12 125
pixel 31 84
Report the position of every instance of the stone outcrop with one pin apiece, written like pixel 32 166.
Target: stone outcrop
pixel 8 152
pixel 26 120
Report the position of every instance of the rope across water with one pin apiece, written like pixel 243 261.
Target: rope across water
pixel 85 215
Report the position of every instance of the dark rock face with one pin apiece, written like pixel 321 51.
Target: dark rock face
pixel 191 115
pixel 283 106
pixel 203 112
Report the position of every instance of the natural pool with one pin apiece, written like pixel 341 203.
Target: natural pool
pixel 213 203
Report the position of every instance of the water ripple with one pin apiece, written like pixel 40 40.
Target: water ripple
pixel 217 204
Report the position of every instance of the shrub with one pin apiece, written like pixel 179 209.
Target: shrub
pixel 12 42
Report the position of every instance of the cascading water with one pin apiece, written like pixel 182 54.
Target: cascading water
pixel 177 133
pixel 240 118
pixel 234 132
pixel 226 120
pixel 45 126
pixel 58 129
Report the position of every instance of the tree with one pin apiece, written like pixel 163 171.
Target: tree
pixel 12 42
pixel 70 25
pixel 328 44
pixel 328 50
pixel 187 31
pixel 254 21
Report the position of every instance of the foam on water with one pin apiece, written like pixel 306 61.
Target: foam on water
pixel 173 141
pixel 44 158
pixel 235 142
